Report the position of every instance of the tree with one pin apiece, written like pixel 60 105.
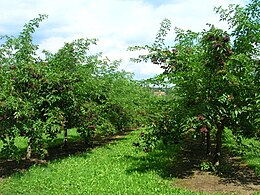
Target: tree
pixel 216 79
pixel 41 98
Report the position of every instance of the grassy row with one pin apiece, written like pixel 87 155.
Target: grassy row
pixel 116 168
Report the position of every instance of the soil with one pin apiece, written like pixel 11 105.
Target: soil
pixel 237 178
pixel 206 182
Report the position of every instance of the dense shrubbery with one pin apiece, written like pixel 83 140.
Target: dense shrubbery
pixel 44 97
pixel 215 75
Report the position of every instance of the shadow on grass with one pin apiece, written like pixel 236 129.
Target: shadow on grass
pixel 254 165
pixel 159 161
pixel 175 161
pixel 184 160
pixel 56 151
pixel 235 170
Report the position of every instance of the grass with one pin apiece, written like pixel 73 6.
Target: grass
pixel 252 154
pixel 21 142
pixel 248 148
pixel 115 168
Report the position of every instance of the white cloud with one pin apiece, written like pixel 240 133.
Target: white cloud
pixel 52 44
pixel 116 23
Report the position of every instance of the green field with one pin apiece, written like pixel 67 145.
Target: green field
pixel 115 168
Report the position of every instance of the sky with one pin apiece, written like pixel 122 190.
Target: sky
pixel 117 24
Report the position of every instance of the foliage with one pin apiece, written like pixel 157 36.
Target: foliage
pixel 244 22
pixel 207 166
pixel 248 148
pixel 215 77
pixel 47 96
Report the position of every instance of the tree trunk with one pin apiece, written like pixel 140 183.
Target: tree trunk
pixel 217 157
pixel 65 140
pixel 87 137
pixel 208 142
pixel 29 148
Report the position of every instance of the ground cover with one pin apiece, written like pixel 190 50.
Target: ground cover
pixel 238 175
pixel 117 167
pixel 114 168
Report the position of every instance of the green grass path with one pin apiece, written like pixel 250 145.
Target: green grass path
pixel 116 168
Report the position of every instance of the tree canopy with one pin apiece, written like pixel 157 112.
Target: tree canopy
pixel 215 74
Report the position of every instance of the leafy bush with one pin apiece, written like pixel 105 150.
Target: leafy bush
pixel 215 77
pixel 70 89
